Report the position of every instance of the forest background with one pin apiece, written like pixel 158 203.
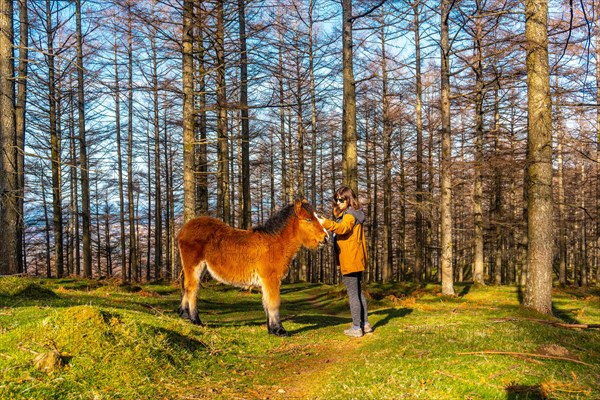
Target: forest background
pixel 125 118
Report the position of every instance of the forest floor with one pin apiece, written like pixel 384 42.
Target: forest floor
pixel 104 339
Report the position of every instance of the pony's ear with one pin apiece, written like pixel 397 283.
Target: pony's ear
pixel 298 206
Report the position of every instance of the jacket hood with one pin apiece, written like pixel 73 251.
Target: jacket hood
pixel 358 215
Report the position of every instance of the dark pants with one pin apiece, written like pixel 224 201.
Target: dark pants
pixel 358 303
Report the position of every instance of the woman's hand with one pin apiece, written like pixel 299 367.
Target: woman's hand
pixel 321 219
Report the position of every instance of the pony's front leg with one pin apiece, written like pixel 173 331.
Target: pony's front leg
pixel 188 308
pixel 271 301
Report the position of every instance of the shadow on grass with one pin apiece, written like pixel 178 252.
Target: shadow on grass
pixel 179 341
pixel 564 316
pixel 523 392
pixel 390 314
pixel 465 291
pixel 520 294
pixel 313 322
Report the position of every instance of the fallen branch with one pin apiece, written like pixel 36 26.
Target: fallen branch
pixel 543 321
pixel 510 353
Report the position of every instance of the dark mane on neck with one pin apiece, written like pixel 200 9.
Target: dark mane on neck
pixel 279 220
pixel 276 222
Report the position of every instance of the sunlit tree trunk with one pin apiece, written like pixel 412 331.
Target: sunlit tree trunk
pixel 498 198
pixel 562 234
pixel 282 108
pixel 199 89
pixel 478 184
pixel 189 183
pixel 388 255
pixel 538 294
pixel 313 105
pixel 223 190
pixel 349 151
pixel 597 144
pixel 446 185
pixel 419 233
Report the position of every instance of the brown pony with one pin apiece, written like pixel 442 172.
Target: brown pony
pixel 258 257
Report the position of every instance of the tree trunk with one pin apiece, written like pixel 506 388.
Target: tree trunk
pixel 133 245
pixel 158 210
pixel 83 160
pixel 597 145
pixel 189 184
pixel 388 255
pixel 9 215
pixel 446 178
pixel 562 233
pixel 223 191
pixel 20 127
pixel 478 184
pixel 313 106
pixel 419 234
pixel 200 128
pixel 246 200
pixel 47 225
pixel 497 208
pixel 538 294
pixel 121 185
pixel 55 149
pixel 349 154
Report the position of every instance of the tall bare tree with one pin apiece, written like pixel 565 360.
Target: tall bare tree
pixel 20 108
pixel 540 239
pixel 388 256
pixel 419 221
pixel 349 138
pixel 189 184
pixel 245 123
pixel 132 267
pixel 83 158
pixel 55 145
pixel 477 68
pixel 446 178
pixel 9 217
pixel 223 177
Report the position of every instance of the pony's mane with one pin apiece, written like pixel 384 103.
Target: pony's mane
pixel 279 220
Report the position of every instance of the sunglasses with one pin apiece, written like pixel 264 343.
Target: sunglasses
pixel 340 200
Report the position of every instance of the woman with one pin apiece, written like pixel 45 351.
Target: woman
pixel 351 254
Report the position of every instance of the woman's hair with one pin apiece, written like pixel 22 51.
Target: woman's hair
pixel 347 193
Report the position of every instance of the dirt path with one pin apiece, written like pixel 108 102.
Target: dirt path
pixel 305 378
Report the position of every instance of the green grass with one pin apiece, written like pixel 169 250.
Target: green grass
pixel 121 341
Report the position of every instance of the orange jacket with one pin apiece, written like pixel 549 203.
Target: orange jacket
pixel 350 244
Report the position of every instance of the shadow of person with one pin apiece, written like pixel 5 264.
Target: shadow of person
pixel 313 322
pixel 389 314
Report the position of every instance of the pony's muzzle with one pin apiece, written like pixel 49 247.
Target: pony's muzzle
pixel 325 240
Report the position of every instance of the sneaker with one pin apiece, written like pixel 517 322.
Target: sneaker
pixel 367 328
pixel 353 332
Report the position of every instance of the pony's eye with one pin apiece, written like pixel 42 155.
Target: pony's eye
pixel 308 219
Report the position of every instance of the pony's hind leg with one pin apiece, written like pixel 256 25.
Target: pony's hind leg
pixel 271 301
pixel 188 308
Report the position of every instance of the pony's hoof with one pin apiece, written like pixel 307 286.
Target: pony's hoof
pixel 279 331
pixel 196 321
pixel 183 313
